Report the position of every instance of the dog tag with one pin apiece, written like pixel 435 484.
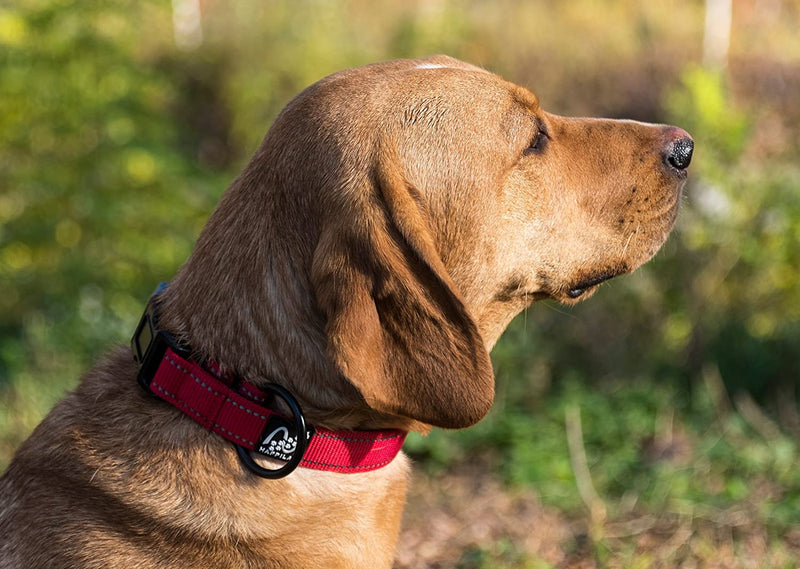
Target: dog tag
pixel 278 439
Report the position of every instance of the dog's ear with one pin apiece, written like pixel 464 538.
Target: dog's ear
pixel 396 326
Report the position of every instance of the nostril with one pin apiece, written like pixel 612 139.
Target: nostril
pixel 681 155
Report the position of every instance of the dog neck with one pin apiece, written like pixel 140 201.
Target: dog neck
pixel 244 299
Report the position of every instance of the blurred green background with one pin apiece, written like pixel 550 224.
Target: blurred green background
pixel 121 123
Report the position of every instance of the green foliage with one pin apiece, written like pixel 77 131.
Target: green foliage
pixel 500 555
pixel 705 108
pixel 98 201
pixel 740 244
pixel 648 450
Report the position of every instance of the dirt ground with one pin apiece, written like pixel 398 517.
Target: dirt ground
pixel 468 520
pixel 449 516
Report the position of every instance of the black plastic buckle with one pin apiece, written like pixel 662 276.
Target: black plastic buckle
pixel 281 439
pixel 149 344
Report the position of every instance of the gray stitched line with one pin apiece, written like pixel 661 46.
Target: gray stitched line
pixel 253 395
pixel 227 399
pixel 376 465
pixel 175 398
pixel 356 440
pixel 232 402
pixel 193 376
pixel 217 425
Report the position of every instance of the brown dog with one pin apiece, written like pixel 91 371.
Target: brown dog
pixel 392 223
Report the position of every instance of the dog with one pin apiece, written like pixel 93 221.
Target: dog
pixel 352 281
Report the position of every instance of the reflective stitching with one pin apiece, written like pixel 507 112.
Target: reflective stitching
pixel 344 466
pixel 221 428
pixel 210 389
pixel 193 376
pixel 250 393
pixel 349 440
pixel 175 398
pixel 243 408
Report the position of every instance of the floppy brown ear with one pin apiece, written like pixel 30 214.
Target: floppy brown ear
pixel 396 326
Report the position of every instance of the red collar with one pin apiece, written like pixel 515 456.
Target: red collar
pixel 235 410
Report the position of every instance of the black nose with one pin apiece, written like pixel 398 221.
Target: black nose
pixel 681 154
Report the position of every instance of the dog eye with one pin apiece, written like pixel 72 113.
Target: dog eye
pixel 538 143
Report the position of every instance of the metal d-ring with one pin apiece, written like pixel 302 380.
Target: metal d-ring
pixel 303 437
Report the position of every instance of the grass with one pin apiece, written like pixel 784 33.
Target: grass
pixel 650 479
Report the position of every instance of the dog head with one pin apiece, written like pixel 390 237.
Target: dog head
pixel 399 215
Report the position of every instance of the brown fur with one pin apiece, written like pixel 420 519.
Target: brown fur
pixel 391 224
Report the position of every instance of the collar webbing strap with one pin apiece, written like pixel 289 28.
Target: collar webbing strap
pixel 237 414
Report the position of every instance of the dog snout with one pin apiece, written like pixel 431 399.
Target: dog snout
pixel 680 147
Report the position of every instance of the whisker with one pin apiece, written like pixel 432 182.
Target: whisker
pixel 628 242
pixel 557 308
